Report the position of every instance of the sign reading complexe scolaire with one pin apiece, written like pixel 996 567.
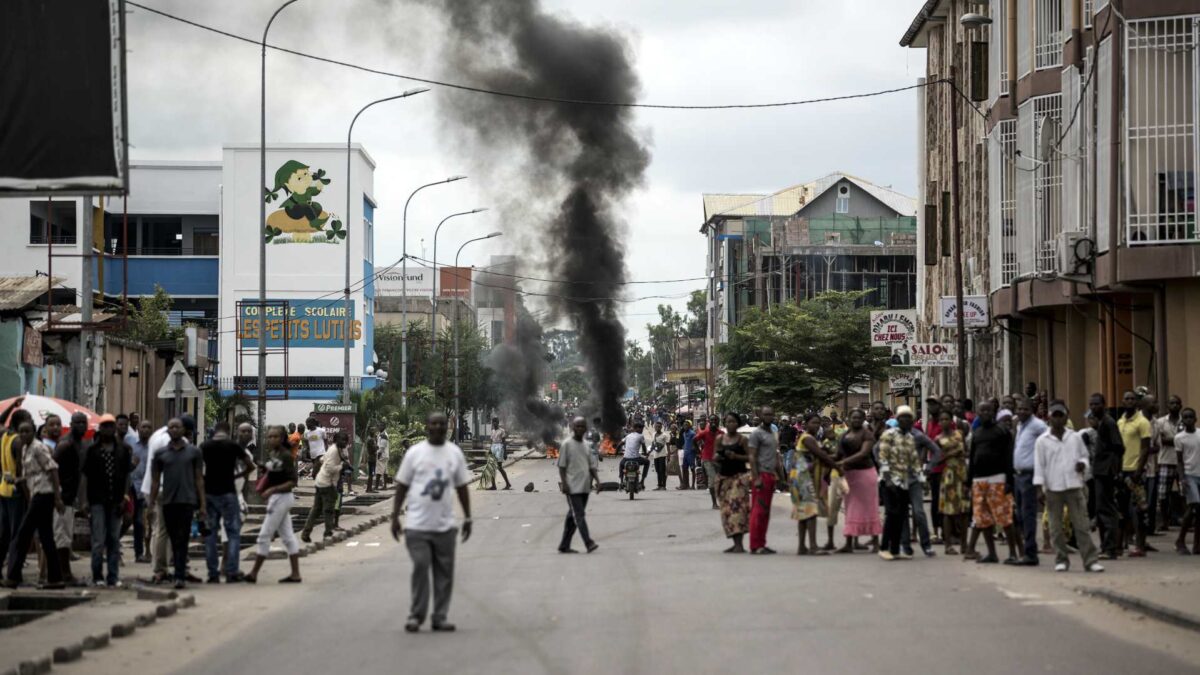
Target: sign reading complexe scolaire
pixel 309 323
pixel 975 311
pixel 893 326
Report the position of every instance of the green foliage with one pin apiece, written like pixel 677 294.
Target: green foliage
pixel 219 408
pixel 572 383
pixel 697 309
pixel 805 354
pixel 148 319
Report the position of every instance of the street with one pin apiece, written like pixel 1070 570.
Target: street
pixel 658 596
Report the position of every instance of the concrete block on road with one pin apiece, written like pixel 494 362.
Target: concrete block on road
pixel 155 594
pixel 166 609
pixel 123 630
pixel 34 666
pixel 187 601
pixel 97 641
pixel 145 619
pixel 68 653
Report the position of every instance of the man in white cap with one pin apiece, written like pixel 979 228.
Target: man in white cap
pixel 902 475
pixel 1060 463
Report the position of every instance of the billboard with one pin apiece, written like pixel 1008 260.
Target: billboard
pixel 454 282
pixel 893 326
pixel 975 311
pixel 935 354
pixel 389 283
pixel 63 122
pixel 318 323
pixel 335 418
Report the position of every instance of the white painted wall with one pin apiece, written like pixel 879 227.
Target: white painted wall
pixel 294 270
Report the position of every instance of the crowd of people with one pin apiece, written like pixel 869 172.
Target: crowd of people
pixel 1007 471
pixel 123 473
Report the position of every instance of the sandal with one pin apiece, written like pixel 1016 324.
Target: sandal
pixel 290 580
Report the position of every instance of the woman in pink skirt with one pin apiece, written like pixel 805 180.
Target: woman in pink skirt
pixel 857 465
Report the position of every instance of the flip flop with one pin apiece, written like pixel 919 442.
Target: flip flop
pixel 290 580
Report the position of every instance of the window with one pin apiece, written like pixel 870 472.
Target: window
pixel 1089 13
pixel 1048 34
pixel 163 235
pixel 1047 180
pixel 1002 178
pixel 843 199
pixel 55 218
pixel 1023 223
pixel 205 241
pixel 1160 126
pixel 1104 137
pixel 114 234
pixel 1024 32
pixel 998 50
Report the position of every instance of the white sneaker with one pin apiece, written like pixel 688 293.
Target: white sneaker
pixel 1095 567
pixel 1061 567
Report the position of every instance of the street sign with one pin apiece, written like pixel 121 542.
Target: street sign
pixel 178 383
pixel 893 326
pixel 335 417
pixel 335 408
pixel 975 311
pixel 934 354
pixel 899 381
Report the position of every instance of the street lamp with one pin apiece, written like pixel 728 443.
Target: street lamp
pixel 404 289
pixel 262 240
pixel 457 418
pixel 433 292
pixel 346 302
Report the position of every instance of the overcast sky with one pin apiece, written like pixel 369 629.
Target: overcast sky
pixel 191 91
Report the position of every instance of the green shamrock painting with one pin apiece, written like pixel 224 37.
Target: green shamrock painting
pixel 300 218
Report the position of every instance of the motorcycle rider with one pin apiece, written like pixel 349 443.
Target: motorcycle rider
pixel 635 451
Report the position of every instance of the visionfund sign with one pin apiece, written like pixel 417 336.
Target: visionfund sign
pixel 390 283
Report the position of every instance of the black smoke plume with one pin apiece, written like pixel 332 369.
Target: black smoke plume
pixel 561 168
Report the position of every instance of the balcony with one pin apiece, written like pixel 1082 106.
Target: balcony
pixel 179 276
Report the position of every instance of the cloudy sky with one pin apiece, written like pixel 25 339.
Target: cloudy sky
pixel 190 91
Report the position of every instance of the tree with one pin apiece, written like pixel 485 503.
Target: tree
pixel 572 383
pixel 148 318
pixel 815 350
pixel 697 310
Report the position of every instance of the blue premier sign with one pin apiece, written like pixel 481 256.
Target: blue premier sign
pixel 319 324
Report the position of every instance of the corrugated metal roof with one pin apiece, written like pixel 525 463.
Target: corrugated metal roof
pixel 18 292
pixel 789 201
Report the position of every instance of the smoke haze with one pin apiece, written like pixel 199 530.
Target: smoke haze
pixel 557 171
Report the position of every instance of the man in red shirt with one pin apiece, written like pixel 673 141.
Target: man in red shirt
pixel 932 428
pixel 705 442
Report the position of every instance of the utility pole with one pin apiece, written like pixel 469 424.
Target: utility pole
pixel 956 198
pixel 86 334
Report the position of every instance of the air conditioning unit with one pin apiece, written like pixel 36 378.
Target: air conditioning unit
pixel 1074 257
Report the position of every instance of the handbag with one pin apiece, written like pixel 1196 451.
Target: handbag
pixel 260 485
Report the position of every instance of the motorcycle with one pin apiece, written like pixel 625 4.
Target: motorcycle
pixel 631 481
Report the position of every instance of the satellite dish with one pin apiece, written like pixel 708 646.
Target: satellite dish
pixel 1047 137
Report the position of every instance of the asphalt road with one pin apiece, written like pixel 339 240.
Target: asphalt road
pixel 658 597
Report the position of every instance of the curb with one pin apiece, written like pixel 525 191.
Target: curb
pixel 1150 609
pixel 168 604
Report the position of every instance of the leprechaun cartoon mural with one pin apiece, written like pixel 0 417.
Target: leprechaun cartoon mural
pixel 300 219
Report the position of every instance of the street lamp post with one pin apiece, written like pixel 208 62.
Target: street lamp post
pixel 346 302
pixel 433 292
pixel 262 240
pixel 457 403
pixel 404 289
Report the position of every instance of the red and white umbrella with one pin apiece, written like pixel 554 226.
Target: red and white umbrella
pixel 41 407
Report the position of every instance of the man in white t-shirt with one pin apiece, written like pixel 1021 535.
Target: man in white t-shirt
pixel 314 437
pixel 429 471
pixel 1187 443
pixel 635 451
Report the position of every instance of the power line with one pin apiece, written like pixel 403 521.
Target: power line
pixel 526 97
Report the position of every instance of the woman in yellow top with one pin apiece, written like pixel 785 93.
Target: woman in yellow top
pixel 953 501
pixel 802 467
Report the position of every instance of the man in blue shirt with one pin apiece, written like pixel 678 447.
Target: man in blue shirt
pixel 1029 429
pixel 689 456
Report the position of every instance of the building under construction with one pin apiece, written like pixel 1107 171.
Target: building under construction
pixel 837 233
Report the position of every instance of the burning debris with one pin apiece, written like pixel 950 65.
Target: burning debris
pixel 560 171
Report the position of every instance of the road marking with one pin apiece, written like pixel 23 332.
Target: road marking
pixel 1046 603
pixel 1013 595
pixel 351 544
pixel 373 543
pixel 527 525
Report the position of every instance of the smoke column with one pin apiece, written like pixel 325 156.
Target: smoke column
pixel 561 169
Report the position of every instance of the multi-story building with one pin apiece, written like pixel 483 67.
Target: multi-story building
pixel 838 233
pixel 1082 125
